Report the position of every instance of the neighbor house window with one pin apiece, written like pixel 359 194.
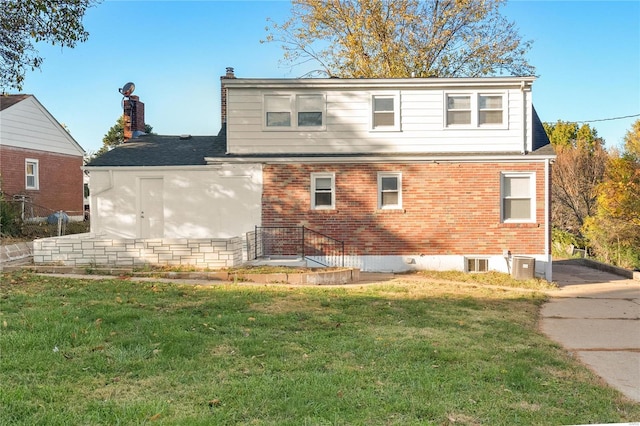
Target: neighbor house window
pixel 518 192
pixel 385 112
pixel 295 111
pixel 389 190
pixel 323 191
pixel 31 174
pixel 474 110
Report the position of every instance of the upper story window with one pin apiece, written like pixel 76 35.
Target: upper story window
pixel 490 109
pixel 458 109
pixel 294 112
pixel 323 191
pixel 475 110
pixel 518 197
pixel 278 111
pixel 389 190
pixel 32 180
pixel 385 111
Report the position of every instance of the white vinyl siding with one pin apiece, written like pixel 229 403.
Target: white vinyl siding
pixel 518 197
pixel 323 191
pixel 28 125
pixel 31 168
pixel 389 190
pixel 348 120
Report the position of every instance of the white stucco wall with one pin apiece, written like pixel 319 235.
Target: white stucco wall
pixel 198 201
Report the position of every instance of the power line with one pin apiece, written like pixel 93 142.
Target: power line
pixel 609 119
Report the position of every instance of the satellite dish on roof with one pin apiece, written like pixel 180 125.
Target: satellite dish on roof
pixel 127 89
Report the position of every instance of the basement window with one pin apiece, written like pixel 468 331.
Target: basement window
pixel 476 264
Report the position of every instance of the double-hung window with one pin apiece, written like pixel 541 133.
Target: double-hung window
pixel 385 111
pixel 32 180
pixel 389 190
pixel 518 197
pixel 458 110
pixel 475 110
pixel 490 109
pixel 323 191
pixel 310 110
pixel 294 111
pixel 277 110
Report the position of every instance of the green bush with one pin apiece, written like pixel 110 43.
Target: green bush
pixel 10 220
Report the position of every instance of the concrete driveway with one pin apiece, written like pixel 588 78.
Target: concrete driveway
pixel 596 315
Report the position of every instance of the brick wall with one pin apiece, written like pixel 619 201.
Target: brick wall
pixel 60 178
pixel 448 208
pixel 91 249
pixel 133 116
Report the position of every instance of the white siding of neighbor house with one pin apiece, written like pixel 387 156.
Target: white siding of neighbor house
pixel 198 202
pixel 27 124
pixel 348 124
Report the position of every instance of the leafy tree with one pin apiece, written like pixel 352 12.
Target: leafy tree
pixel 115 136
pixel 400 38
pixel 620 192
pixel 26 22
pixel 632 141
pixel 614 231
pixel 579 168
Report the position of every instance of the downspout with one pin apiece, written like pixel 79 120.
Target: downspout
pixel 547 220
pixel 524 117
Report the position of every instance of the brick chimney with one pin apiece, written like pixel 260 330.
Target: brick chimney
pixel 133 116
pixel 223 95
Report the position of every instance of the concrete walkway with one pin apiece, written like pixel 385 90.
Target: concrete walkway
pixel 596 315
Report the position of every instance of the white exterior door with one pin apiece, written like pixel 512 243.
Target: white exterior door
pixel 151 215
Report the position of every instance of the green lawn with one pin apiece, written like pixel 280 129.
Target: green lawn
pixel 407 352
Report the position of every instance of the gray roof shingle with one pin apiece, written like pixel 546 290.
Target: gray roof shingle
pixel 163 150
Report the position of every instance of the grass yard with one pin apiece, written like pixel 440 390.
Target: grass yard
pixel 407 352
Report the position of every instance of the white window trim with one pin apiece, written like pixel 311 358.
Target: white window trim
pixel 315 176
pixel 475 110
pixel 293 110
pixel 396 111
pixel 397 175
pixel 532 194
pixel 28 161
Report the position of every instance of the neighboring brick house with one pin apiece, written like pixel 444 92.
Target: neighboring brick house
pixel 39 159
pixel 409 173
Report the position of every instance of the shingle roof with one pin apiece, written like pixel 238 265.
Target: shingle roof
pixel 8 100
pixel 163 150
pixel 540 138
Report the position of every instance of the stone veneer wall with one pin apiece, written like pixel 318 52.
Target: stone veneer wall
pixel 91 249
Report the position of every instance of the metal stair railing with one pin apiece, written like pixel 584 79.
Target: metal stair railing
pixel 286 241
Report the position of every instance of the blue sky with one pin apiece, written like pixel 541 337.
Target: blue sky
pixel 586 53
